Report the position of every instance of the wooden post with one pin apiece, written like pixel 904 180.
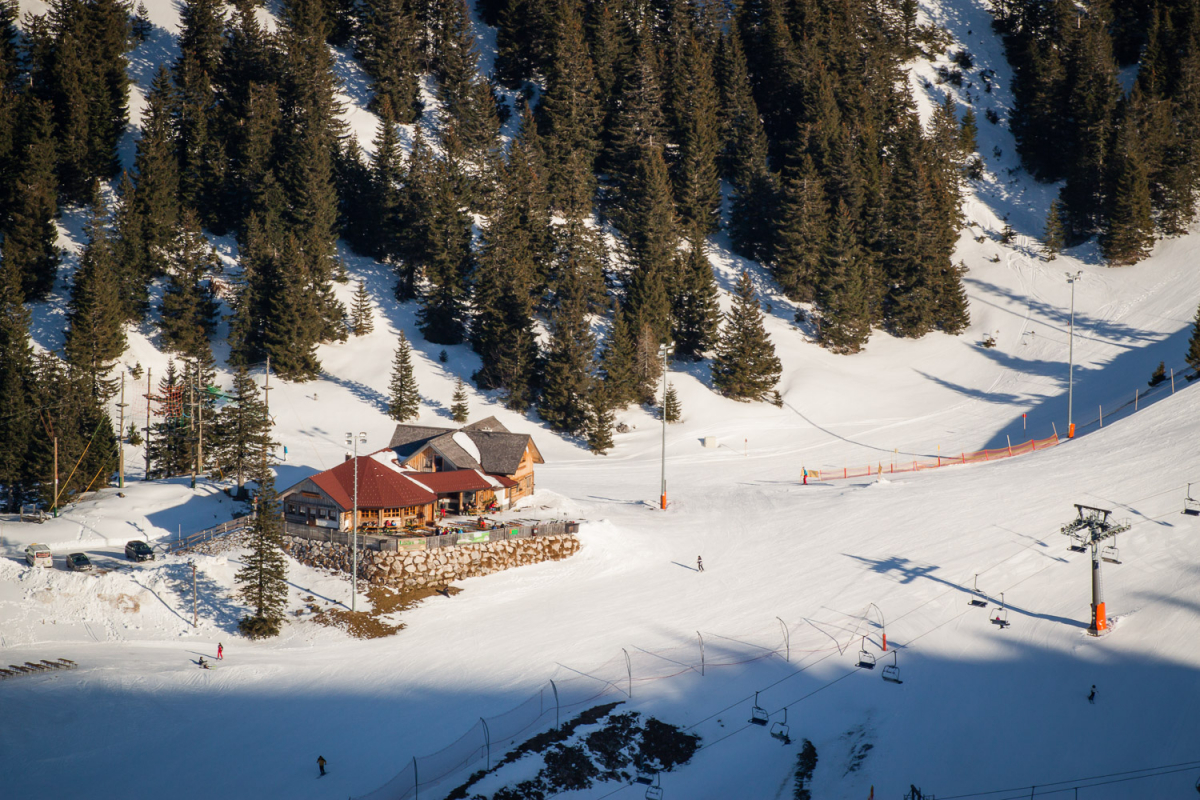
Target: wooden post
pixel 1101 416
pixel 1135 398
pixel 121 438
pixel 54 506
pixel 1006 436
pixel 193 594
pixel 1172 380
pixel 147 475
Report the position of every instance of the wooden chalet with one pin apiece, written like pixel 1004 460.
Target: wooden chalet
pixel 423 470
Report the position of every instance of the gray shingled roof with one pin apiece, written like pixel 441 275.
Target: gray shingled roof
pixel 500 451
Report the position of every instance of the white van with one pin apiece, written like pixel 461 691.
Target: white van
pixel 38 555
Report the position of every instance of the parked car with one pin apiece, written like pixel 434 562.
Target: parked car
pixel 38 555
pixel 138 551
pixel 79 562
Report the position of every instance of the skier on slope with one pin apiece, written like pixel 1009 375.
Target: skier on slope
pixel 1092 696
pixel 321 763
pixel 203 664
pixel 220 651
pixel 699 564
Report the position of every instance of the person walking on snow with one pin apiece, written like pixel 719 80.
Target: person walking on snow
pixel 220 651
pixel 699 565
pixel 321 763
pixel 1092 696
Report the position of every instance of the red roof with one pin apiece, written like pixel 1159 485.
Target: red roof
pixel 379 486
pixel 457 480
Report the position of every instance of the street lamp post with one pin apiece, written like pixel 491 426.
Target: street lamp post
pixel 666 350
pixel 353 440
pixel 1071 279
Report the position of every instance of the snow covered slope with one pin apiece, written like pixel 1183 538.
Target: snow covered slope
pixel 980 709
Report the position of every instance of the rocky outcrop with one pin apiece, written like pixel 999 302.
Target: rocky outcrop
pixel 433 567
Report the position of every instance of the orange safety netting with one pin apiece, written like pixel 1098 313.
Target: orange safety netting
pixel 918 465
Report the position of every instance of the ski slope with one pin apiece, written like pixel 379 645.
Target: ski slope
pixel 980 709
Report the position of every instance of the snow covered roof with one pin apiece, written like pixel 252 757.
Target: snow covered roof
pixel 485 445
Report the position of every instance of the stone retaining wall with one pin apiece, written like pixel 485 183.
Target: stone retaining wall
pixel 433 567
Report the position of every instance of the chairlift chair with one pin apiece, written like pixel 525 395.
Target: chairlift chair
pixel 780 730
pixel 1078 542
pixel 1110 553
pixel 977 599
pixel 758 715
pixel 655 792
pixel 891 672
pixel 1001 617
pixel 1191 505
pixel 865 659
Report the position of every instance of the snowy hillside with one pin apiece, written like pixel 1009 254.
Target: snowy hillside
pixel 980 709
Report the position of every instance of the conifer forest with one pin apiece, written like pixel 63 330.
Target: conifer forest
pixel 554 214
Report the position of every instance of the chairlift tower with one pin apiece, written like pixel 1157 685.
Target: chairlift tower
pixel 1091 527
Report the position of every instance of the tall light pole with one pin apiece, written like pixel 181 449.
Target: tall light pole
pixel 353 440
pixel 1071 279
pixel 666 350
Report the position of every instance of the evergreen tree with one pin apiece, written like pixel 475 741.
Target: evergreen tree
pixel 567 376
pixel 170 445
pixel 95 336
pixel 647 364
pixel 842 296
pixel 617 363
pixel 598 430
pixel 361 314
pixel 745 367
pixel 800 231
pixel 570 114
pixel 1055 236
pixel 1128 233
pixel 290 333
pixel 671 407
pixel 404 401
pixel 262 581
pixel 30 244
pixel 242 435
pixel 697 180
pixel 387 45
pixel 16 369
pixel 696 312
pixel 459 410
pixel 155 199
pixel 648 221
pixel 447 260
pixel 189 308
pixel 470 108
pixel 1193 353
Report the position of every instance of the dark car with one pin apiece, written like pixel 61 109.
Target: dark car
pixel 138 551
pixel 78 562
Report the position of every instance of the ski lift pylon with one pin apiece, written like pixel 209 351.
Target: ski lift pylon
pixel 891 672
pixel 1191 507
pixel 865 659
pixel 1001 617
pixel 758 715
pixel 780 730
pixel 977 599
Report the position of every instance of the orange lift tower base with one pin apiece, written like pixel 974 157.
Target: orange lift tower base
pixel 1091 527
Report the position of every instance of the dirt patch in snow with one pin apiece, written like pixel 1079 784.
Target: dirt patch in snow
pixel 385 602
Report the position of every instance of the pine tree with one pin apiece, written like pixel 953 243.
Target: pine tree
pixel 671 407
pixel 290 333
pixel 387 45
pixel 638 124
pixel 800 231
pixel 745 367
pixel 189 308
pixel 1055 236
pixel 95 338
pixel 1128 233
pixel 1193 353
pixel 16 368
pixel 648 221
pixel 598 430
pixel 567 376
pixel 30 244
pixel 459 410
pixel 647 364
pixel 842 294
pixel 262 581
pixel 470 108
pixel 169 449
pixel 697 180
pixel 617 363
pixel 156 196
pixel 242 435
pixel 696 313
pixel 570 115
pixel 404 401
pixel 446 256
pixel 361 313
